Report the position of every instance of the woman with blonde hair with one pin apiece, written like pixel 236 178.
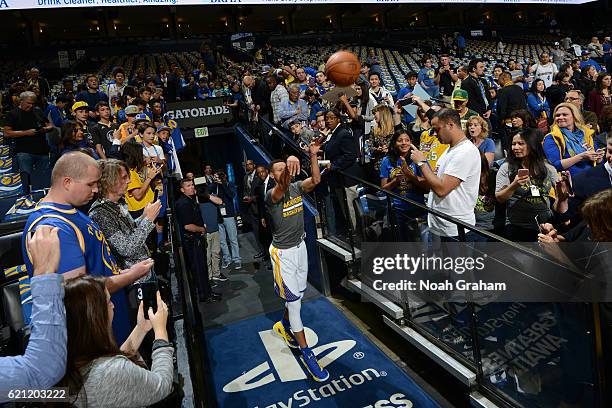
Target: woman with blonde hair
pixel 478 132
pixel 386 123
pixel 569 145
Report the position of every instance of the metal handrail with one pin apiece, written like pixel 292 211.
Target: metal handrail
pixel 193 326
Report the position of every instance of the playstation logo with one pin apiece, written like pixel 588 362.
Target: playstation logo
pixel 284 364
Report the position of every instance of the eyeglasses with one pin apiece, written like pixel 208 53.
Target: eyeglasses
pixel 572 98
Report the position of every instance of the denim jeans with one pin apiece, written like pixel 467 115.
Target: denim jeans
pixel 228 232
pixel 37 168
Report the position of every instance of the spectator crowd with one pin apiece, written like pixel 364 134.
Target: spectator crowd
pixel 525 152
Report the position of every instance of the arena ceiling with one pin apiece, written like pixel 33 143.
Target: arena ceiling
pixel 183 21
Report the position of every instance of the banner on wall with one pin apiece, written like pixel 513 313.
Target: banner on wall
pixel 56 4
pixel 195 114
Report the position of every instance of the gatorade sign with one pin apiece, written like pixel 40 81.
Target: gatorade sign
pixel 196 114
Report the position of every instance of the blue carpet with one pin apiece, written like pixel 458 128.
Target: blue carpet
pixel 252 367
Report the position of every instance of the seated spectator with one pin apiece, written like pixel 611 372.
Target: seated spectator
pixel 403 177
pixel 602 94
pixel 44 362
pixel 72 140
pixel 142 179
pixel 98 372
pixel 478 132
pixel 538 104
pixel 569 145
pixel 528 194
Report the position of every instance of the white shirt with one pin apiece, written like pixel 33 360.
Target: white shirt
pixel 463 162
pixel 545 72
pixel 153 151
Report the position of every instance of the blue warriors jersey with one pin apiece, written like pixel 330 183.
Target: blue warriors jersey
pixel 81 244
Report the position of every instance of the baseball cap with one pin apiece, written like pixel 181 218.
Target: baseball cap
pixel 460 95
pixel 585 52
pixel 163 127
pixel 131 110
pixel 141 117
pixel 79 105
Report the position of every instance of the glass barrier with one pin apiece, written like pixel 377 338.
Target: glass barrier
pixel 524 353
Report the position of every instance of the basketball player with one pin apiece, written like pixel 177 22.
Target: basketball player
pixel 288 251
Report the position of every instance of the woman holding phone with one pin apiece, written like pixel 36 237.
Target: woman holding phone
pixel 569 145
pixel 99 373
pixel 525 182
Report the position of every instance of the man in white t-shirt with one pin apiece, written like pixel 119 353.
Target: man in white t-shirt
pixel 544 69
pixel 455 181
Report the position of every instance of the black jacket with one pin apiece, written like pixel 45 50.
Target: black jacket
pixel 509 99
pixel 260 197
pixel 476 101
pixel 342 150
pixel 587 183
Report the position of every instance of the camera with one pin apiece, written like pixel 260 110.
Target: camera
pixel 406 101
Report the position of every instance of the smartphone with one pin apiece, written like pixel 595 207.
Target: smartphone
pixel 155 195
pixel 147 293
pixel 539 223
pixel 523 172
pixel 567 177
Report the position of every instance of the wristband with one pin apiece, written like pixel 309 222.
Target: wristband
pixel 421 163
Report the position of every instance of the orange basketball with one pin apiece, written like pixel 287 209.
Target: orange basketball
pixel 343 68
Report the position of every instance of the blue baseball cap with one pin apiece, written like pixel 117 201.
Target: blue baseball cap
pixel 141 117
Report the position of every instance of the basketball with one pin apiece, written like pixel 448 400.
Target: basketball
pixel 343 68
